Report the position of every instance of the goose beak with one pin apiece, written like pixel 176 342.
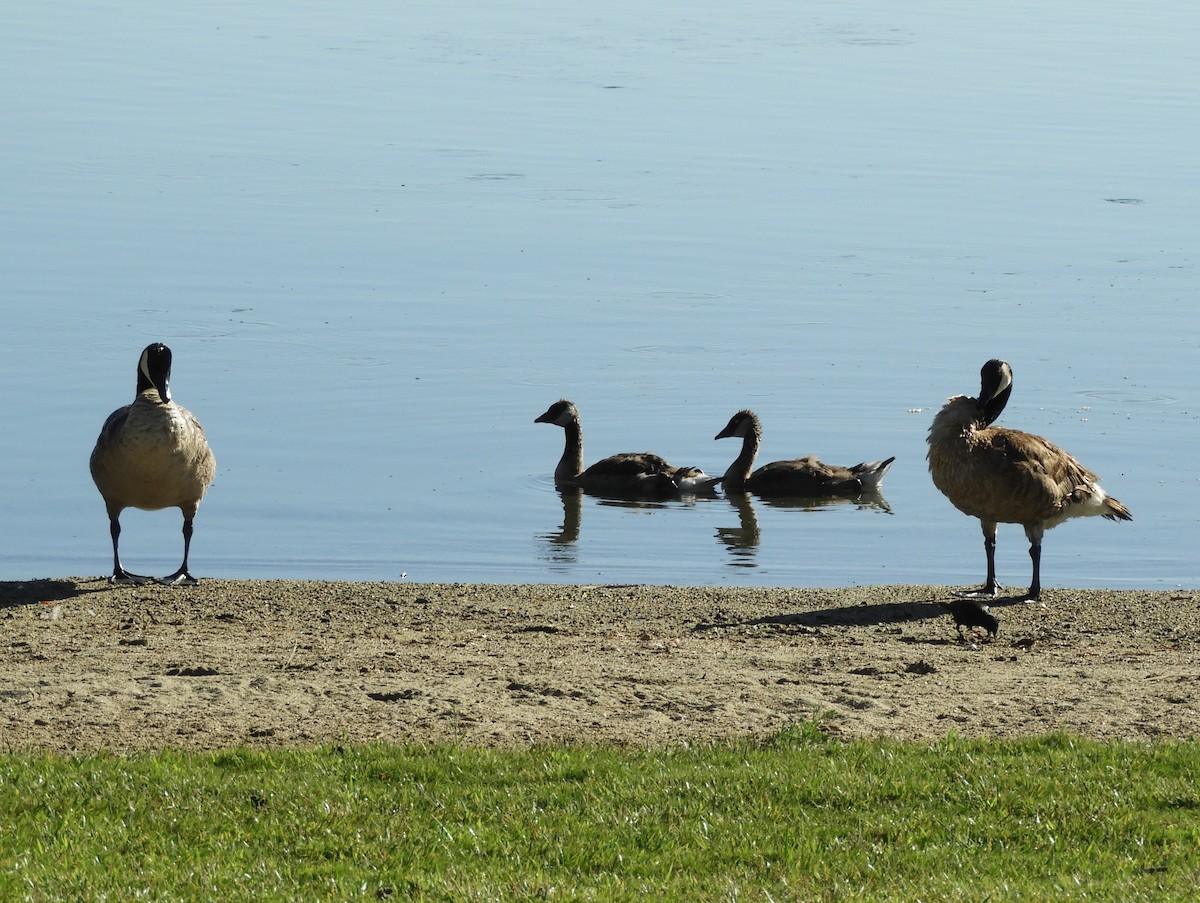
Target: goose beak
pixel 730 429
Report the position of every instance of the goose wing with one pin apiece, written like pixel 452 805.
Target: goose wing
pixel 113 425
pixel 628 464
pixel 1032 477
pixel 803 476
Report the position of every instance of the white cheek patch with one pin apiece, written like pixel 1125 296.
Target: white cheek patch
pixel 1005 380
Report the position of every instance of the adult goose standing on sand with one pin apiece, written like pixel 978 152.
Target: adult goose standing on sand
pixel 805 476
pixel 641 474
pixel 1006 476
pixel 152 454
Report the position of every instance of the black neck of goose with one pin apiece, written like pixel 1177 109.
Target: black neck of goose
pixel 144 384
pixel 572 459
pixel 154 371
pixel 993 407
pixel 739 470
pixel 995 385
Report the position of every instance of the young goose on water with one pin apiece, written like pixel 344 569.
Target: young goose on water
pixel 631 473
pixel 150 455
pixel 1006 476
pixel 799 477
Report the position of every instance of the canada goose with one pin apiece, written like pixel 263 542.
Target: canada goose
pixel 799 477
pixel 152 454
pixel 1006 476
pixel 631 473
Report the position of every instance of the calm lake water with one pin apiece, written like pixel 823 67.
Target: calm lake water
pixel 381 238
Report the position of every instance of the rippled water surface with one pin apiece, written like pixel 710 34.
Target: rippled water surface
pixel 381 239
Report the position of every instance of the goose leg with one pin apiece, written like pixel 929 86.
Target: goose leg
pixel 1035 556
pixel 990 586
pixel 183 577
pixel 119 574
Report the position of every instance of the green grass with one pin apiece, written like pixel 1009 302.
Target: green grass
pixel 800 817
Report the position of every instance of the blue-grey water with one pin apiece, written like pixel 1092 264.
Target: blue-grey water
pixel 381 238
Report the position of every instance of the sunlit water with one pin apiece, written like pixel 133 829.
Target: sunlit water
pixel 382 238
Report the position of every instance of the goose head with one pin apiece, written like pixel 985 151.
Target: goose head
pixel 561 413
pixel 995 385
pixel 740 425
pixel 154 370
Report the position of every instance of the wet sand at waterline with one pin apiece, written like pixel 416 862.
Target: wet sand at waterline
pixel 275 663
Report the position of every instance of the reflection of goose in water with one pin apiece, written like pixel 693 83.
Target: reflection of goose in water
pixel 637 474
pixel 798 477
pixel 870 499
pixel 742 540
pixel 560 543
pixel 1006 476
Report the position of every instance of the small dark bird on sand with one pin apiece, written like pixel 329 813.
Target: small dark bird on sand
pixel 969 613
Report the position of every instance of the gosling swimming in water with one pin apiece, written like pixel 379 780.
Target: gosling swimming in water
pixel 642 474
pixel 799 477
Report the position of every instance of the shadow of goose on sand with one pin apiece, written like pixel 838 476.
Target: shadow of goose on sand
pixel 14 593
pixel 865 615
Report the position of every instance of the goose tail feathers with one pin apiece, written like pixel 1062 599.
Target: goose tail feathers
pixel 693 479
pixel 871 473
pixel 1114 510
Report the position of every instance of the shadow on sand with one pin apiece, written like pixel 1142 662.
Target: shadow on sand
pixel 865 615
pixel 33 592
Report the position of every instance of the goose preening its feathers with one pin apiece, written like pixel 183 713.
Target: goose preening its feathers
pixel 641 474
pixel 152 454
pixel 799 477
pixel 1001 475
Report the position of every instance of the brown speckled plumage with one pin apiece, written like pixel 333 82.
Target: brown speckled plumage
pixel 1002 475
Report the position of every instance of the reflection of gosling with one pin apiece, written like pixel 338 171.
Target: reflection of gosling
pixel 971 614
pixel 799 477
pixel 629 473
pixel 152 454
pixel 1006 476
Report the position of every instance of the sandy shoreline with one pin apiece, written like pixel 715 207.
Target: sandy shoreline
pixel 273 663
